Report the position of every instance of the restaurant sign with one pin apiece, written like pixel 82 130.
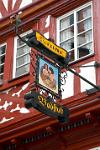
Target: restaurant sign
pixel 46 106
pixel 47 47
pixel 51 46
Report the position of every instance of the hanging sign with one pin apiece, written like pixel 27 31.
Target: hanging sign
pixel 48 48
pixel 46 106
pixel 48 76
pixel 51 46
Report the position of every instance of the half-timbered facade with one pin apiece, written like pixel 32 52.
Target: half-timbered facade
pixel 74 26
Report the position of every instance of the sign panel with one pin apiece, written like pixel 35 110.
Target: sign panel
pixel 48 76
pixel 51 46
pixel 47 48
pixel 46 106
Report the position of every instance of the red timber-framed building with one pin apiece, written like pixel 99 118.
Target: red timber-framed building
pixel 74 25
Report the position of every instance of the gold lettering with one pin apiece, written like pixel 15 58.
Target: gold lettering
pixel 40 98
pixel 51 46
pixel 57 110
pixel 50 105
pixel 61 110
pixel 44 100
pixel 55 107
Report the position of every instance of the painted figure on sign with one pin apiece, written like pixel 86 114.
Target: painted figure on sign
pixel 52 81
pixel 47 76
pixel 44 72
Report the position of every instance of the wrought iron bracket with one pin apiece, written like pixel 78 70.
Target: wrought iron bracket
pixel 17 22
pixel 91 91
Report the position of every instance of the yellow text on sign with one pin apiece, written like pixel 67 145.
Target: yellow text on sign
pixel 51 46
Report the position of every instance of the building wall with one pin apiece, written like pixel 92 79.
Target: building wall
pixel 17 123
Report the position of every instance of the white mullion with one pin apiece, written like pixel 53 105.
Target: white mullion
pixel 84 32
pixel 92 26
pixel 2 64
pixel 1 74
pixel 21 46
pixel 85 44
pixel 22 65
pixel 2 54
pixel 58 33
pixel 22 55
pixel 66 28
pixel 67 39
pixel 75 36
pixel 15 53
pixel 84 19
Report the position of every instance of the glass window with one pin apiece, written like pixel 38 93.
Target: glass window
pixel 74 32
pixel 22 58
pixel 2 61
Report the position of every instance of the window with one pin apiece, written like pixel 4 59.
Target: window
pixel 2 61
pixel 96 148
pixel 22 58
pixel 74 32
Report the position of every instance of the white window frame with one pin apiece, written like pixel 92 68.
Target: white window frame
pixel 1 45
pixel 66 15
pixel 15 52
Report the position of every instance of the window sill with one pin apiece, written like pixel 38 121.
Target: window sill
pixel 1 84
pixel 82 59
pixel 20 77
pixel 15 82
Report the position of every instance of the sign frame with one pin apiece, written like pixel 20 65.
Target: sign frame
pixel 51 46
pixel 46 81
pixel 46 106
pixel 47 48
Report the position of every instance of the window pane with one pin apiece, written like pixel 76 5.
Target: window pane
pixel 2 59
pixel 1 69
pixel 1 77
pixel 2 49
pixel 20 42
pixel 66 22
pixel 75 32
pixel 68 45
pixel 84 25
pixel 23 60
pixel 84 38
pixel 84 13
pixel 22 50
pixel 85 50
pixel 71 53
pixel 66 34
pixel 22 70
